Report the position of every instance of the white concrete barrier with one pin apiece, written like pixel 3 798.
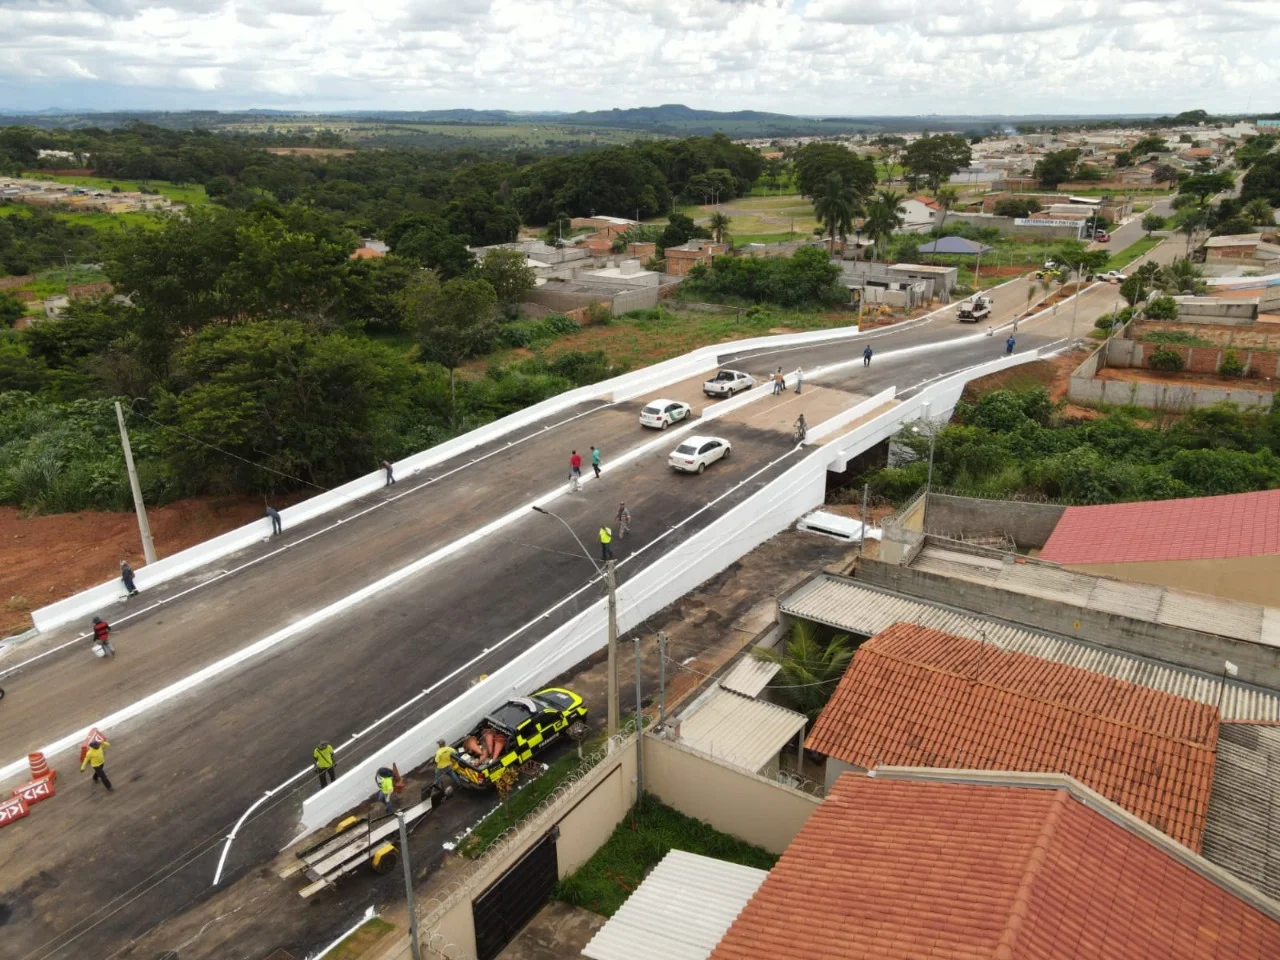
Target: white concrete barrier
pixel 742 528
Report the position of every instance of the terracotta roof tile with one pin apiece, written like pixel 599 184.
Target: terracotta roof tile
pixel 1196 528
pixel 922 698
pixel 896 869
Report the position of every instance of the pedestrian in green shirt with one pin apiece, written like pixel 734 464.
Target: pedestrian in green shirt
pixel 595 461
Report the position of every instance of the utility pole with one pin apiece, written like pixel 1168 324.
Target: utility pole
pixel 639 728
pixel 144 528
pixel 662 678
pixel 611 581
pixel 866 490
pixel 408 888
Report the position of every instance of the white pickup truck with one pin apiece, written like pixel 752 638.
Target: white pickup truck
pixel 975 309
pixel 728 382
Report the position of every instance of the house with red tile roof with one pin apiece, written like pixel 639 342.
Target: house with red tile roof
pixel 915 864
pixel 1228 546
pixel 917 697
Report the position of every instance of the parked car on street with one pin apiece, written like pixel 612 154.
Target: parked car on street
pixel 1101 236
pixel 660 414
pixel 698 453
pixel 728 382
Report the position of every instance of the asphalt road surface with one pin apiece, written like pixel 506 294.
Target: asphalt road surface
pixel 89 872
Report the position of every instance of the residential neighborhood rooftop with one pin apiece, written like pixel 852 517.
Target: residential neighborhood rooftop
pixel 919 697
pixel 1194 528
pixel 906 867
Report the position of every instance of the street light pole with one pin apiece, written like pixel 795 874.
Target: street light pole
pixel 611 583
pixel 144 528
pixel 408 888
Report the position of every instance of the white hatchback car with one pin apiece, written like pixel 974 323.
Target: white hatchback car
pixel 660 414
pixel 698 453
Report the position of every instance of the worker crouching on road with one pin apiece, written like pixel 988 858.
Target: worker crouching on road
pixel 323 755
pixel 444 763
pixel 102 637
pixel 386 787
pixel 95 757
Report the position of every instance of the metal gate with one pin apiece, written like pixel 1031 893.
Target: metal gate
pixel 512 900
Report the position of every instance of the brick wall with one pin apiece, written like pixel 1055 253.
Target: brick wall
pixel 1257 363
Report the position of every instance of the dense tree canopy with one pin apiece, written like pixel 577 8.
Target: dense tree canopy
pixel 1263 180
pixel 936 159
pixel 816 162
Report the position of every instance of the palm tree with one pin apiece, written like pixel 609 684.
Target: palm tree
pixel 835 206
pixel 1182 276
pixel 884 216
pixel 946 198
pixel 810 669
pixel 719 224
pixel 1260 211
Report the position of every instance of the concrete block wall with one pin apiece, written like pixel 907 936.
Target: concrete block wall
pixel 1027 524
pixel 1259 664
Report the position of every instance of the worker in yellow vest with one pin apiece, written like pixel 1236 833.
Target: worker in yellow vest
pixel 323 755
pixel 444 763
pixel 606 539
pixel 386 787
pixel 95 756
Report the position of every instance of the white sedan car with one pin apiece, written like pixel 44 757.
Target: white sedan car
pixel 660 414
pixel 697 453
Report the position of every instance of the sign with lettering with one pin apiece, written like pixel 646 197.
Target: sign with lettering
pixel 1044 222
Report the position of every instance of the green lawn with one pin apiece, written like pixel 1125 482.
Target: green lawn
pixel 102 222
pixel 639 842
pixel 1123 258
pixel 189 193
pixel 49 283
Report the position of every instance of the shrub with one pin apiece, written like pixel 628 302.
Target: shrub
pixel 1162 308
pixel 559 324
pixel 597 314
pixel 1170 361
pixel 1232 365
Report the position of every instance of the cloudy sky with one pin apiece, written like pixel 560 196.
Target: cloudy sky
pixel 793 56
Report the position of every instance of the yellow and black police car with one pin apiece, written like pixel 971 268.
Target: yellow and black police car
pixel 514 733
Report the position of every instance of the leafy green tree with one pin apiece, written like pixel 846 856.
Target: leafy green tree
pixel 509 276
pixel 946 198
pixel 370 293
pixel 835 206
pixel 11 309
pixel 938 158
pixel 891 147
pixel 483 220
pixel 1133 289
pixel 1016 207
pixel 291 405
pixel 456 320
pixel 1148 145
pixel 1124 159
pixel 719 226
pixel 1183 277
pixel 1164 173
pixel 1263 180
pixel 1056 167
pixel 1161 308
pixel 680 229
pixel 429 241
pixel 18 369
pixel 816 162
pixel 1203 185
pixel 809 667
pixel 1189 221
pixel 1152 222
pixel 884 216
pixel 1260 212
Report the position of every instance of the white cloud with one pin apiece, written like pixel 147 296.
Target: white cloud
pixel 798 56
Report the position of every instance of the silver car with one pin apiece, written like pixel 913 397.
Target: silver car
pixel 698 453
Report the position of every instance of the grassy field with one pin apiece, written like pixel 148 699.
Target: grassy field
pixel 647 336
pixel 102 222
pixel 189 193
pixel 754 217
pixel 1123 258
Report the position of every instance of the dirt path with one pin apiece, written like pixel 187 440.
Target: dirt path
pixel 51 557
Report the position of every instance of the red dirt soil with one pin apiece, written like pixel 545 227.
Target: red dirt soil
pixel 51 557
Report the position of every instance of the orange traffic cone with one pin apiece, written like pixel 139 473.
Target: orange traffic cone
pixel 39 767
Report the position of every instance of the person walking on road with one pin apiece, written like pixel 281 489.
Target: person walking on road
pixel 1008 346
pixel 799 379
pixel 606 541
pixel 779 382
pixel 444 763
pixel 323 754
pixel 95 757
pixel 386 780
pixel 126 577
pixel 623 520
pixel 595 461
pixel 575 471
pixel 391 476
pixel 276 525
pixel 102 636
pixel 866 356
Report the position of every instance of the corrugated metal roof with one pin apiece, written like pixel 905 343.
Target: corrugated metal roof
pixel 750 676
pixel 1243 831
pixel 680 912
pixel 1176 608
pixel 740 730
pixel 846 605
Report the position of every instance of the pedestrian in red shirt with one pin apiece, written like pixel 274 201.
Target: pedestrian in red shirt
pixel 575 470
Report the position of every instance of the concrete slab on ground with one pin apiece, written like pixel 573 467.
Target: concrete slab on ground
pixel 556 932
